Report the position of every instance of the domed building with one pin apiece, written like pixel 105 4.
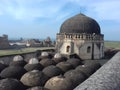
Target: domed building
pixel 81 35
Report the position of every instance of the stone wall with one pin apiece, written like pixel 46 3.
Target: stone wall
pixel 106 78
pixel 8 58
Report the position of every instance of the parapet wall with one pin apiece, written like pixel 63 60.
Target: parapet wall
pixel 106 78
pixel 8 58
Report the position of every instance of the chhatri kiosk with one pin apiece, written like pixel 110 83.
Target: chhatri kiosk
pixel 81 35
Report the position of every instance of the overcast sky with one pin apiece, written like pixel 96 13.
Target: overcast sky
pixel 42 18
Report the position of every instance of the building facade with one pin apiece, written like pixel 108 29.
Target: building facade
pixel 81 35
pixel 4 43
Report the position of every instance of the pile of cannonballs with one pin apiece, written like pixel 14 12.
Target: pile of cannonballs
pixel 45 72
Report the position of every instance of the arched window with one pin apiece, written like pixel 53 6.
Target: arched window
pixel 68 49
pixel 88 49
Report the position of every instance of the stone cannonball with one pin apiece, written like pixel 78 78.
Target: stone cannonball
pixel 34 78
pixel 93 65
pixel 75 76
pixel 33 64
pixel 17 61
pixel 58 58
pixel 47 62
pixel 87 70
pixel 18 58
pixel 64 66
pixel 44 55
pixel 74 62
pixel 37 88
pixel 59 83
pixel 13 72
pixel 11 84
pixel 2 66
pixel 52 70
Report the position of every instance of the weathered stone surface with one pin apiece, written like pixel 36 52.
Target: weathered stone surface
pixel 51 71
pixel 37 88
pixel 17 63
pixel 74 62
pixel 64 66
pixel 34 78
pixel 106 78
pixel 11 84
pixel 30 67
pixel 2 66
pixel 59 83
pixel 75 76
pixel 33 65
pixel 13 72
pixel 47 62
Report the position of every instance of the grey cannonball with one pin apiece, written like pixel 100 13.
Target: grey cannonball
pixel 13 72
pixel 74 62
pixel 2 66
pixel 75 76
pixel 85 69
pixel 59 83
pixel 64 66
pixel 30 67
pixel 11 84
pixel 44 55
pixel 18 58
pixel 47 62
pixel 38 88
pixel 34 78
pixel 52 70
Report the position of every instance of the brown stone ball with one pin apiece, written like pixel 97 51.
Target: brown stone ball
pixel 64 66
pixel 51 71
pixel 59 83
pixel 11 84
pixel 13 72
pixel 34 78
pixel 47 62
pixel 74 62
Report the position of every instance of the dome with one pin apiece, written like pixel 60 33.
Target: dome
pixel 80 24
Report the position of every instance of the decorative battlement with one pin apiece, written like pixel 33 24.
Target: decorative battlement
pixel 80 36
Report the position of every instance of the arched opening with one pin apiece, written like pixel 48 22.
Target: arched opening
pixel 88 49
pixel 68 49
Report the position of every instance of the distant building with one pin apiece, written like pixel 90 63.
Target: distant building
pixel 48 42
pixel 33 43
pixel 4 43
pixel 81 35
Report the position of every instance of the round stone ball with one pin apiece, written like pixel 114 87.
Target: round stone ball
pixel 13 72
pixel 59 83
pixel 2 66
pixel 37 88
pixel 75 76
pixel 57 55
pixel 58 58
pixel 34 78
pixel 33 64
pixel 30 67
pixel 74 62
pixel 33 61
pixel 44 55
pixel 93 65
pixel 11 84
pixel 47 62
pixel 85 69
pixel 18 58
pixel 51 71
pixel 17 63
pixel 64 66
